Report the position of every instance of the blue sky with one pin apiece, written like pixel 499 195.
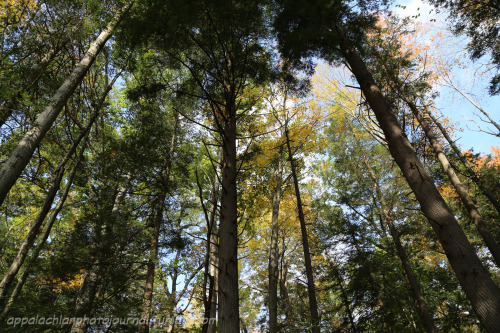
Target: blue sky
pixel 451 103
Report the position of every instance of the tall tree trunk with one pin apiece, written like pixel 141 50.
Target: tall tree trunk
pixel 481 226
pixel 465 163
pixel 274 251
pixel 46 232
pixel 91 286
pixel 345 299
pixel 414 286
pixel 147 300
pixel 228 315
pixel 211 265
pixel 311 289
pixel 285 298
pixel 49 199
pixel 12 168
pixel 475 280
pixel 380 302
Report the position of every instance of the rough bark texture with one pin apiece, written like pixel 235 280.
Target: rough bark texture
pixel 475 280
pixel 466 164
pixel 147 300
pixel 274 251
pixel 311 289
pixel 13 167
pixel 481 226
pixel 228 319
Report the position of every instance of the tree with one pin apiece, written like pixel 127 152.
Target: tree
pixel 339 42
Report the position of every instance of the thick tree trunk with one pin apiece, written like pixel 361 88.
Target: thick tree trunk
pixel 147 300
pixel 274 251
pixel 475 280
pixel 481 226
pixel 311 289
pixel 228 315
pixel 12 168
pixel 465 163
pixel 414 286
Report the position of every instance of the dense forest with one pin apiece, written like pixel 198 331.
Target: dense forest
pixel 247 166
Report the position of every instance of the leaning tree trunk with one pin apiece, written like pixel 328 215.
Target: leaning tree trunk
pixel 465 163
pixel 475 280
pixel 481 226
pixel 414 285
pixel 46 232
pixel 147 300
pixel 44 211
pixel 274 251
pixel 311 289
pixel 13 167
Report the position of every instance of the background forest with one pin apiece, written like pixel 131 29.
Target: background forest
pixel 247 166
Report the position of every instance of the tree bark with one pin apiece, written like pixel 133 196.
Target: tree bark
pixel 12 168
pixel 211 265
pixel 481 226
pixel 311 289
pixel 274 251
pixel 46 232
pixel 153 255
pixel 464 161
pixel 228 315
pixel 49 199
pixel 414 285
pixel 475 280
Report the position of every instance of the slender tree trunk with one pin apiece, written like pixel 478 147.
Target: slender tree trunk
pixel 12 168
pixel 345 299
pixel 274 251
pixel 481 226
pixel 465 163
pixel 311 290
pixel 153 255
pixel 285 299
pixel 211 265
pixel 44 211
pixel 414 286
pixel 475 280
pixel 228 315
pixel 476 106
pixel 375 287
pixel 46 232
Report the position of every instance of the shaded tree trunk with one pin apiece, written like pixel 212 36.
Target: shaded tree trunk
pixel 46 232
pixel 465 163
pixel 211 265
pixel 481 226
pixel 311 290
pixel 274 251
pixel 228 314
pixel 12 168
pixel 475 280
pixel 153 255
pixel 414 286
